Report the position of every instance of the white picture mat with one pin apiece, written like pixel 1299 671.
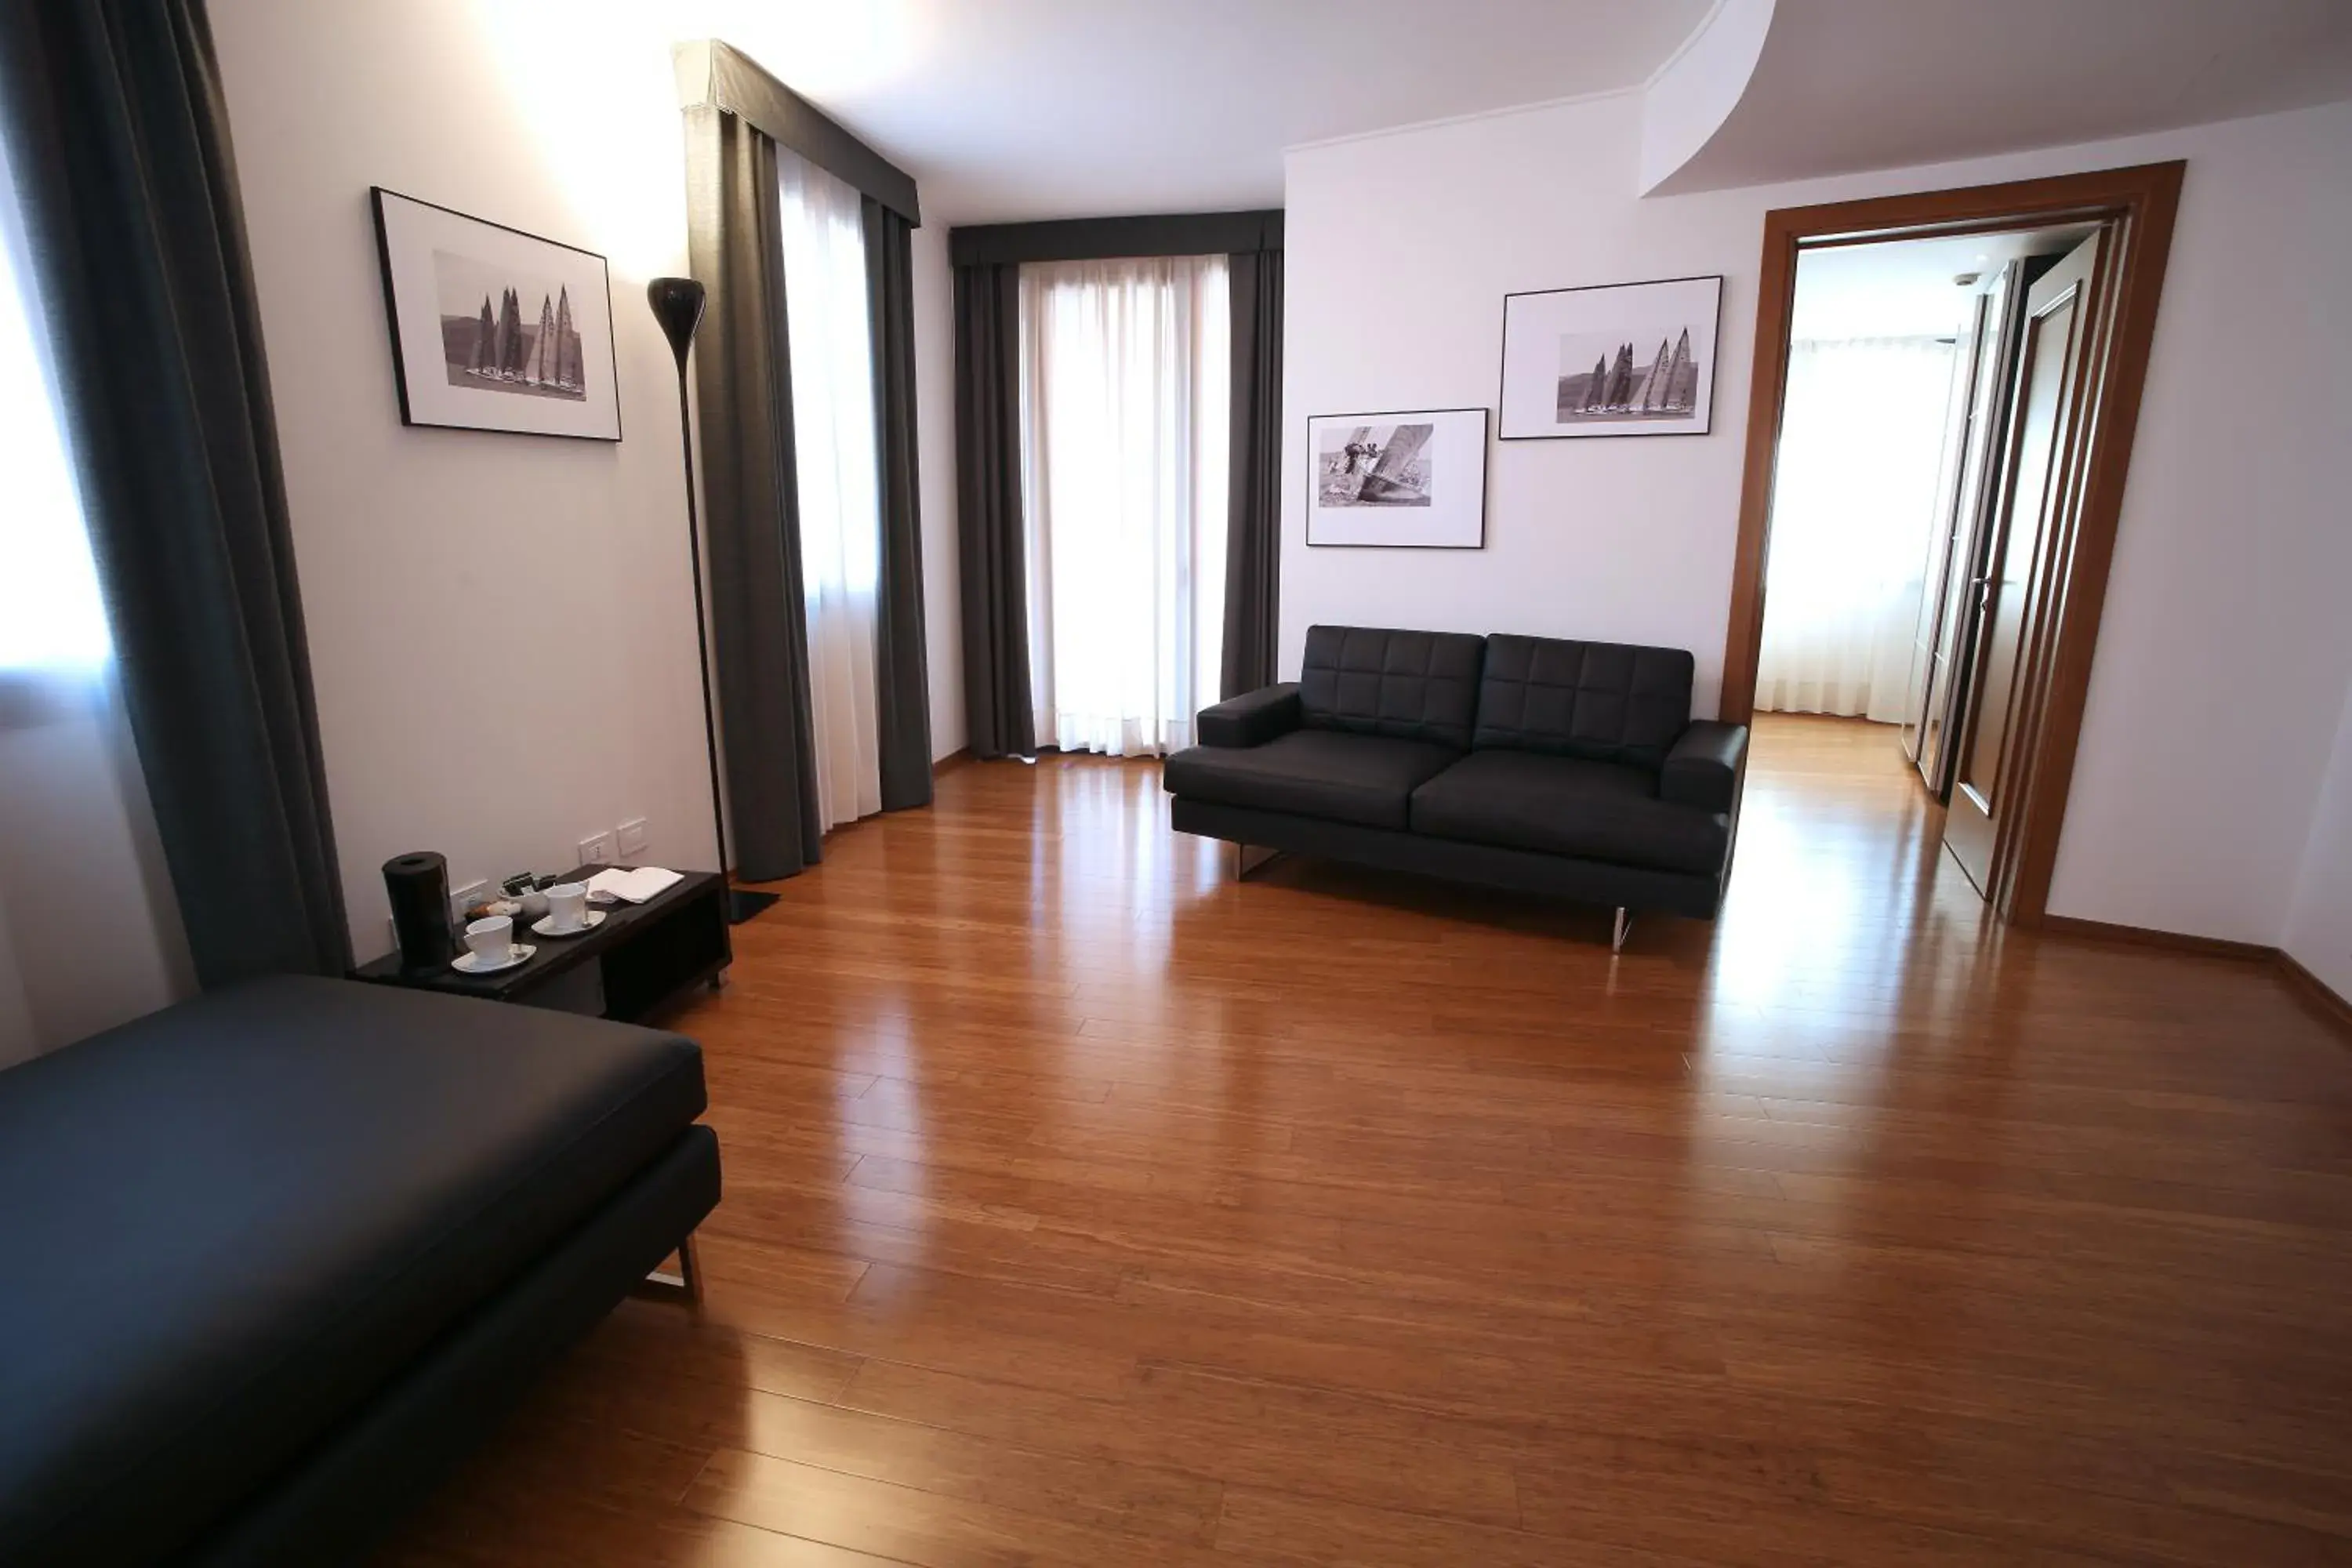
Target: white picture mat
pixel 1639 313
pixel 413 232
pixel 1455 518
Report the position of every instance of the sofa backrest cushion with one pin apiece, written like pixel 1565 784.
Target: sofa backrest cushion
pixel 1603 702
pixel 1411 686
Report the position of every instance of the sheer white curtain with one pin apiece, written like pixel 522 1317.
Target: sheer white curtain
pixel 841 515
pixel 1852 502
pixel 89 933
pixel 1124 403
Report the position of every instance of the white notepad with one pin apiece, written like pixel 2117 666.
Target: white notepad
pixel 634 886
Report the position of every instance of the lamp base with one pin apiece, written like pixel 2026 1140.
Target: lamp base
pixel 742 904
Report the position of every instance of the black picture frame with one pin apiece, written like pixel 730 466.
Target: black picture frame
pixel 1503 360
pixel 1486 464
pixel 418 401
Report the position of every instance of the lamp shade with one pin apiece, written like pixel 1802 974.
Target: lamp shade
pixel 677 306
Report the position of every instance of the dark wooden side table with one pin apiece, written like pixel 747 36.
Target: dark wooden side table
pixel 637 958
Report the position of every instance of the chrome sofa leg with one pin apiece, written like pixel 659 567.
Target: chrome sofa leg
pixel 1619 929
pixel 1249 858
pixel 687 1283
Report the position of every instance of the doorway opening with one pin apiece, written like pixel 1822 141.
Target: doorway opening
pixel 1942 413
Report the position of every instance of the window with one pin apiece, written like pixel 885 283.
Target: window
pixel 51 620
pixel 1854 498
pixel 826 316
pixel 1124 408
pixel 84 930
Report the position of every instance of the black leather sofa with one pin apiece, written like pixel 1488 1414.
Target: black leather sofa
pixel 275 1258
pixel 1535 764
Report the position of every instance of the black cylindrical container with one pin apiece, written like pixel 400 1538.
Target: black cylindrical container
pixel 418 886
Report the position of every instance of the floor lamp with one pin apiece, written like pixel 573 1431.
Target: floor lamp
pixel 677 306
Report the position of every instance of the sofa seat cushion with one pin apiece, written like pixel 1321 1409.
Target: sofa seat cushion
pixel 1367 779
pixel 1564 805
pixel 234 1220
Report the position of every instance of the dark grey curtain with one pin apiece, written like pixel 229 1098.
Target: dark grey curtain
pixel 901 671
pixel 759 625
pixel 988 521
pixel 1254 511
pixel 119 143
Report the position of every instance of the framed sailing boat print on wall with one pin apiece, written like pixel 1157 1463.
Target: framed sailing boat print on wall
pixel 1617 359
pixel 493 329
pixel 1404 481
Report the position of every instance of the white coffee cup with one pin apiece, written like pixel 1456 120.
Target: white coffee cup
pixel 567 906
pixel 491 940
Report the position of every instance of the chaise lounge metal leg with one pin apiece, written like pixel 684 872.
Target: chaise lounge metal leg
pixel 688 1281
pixel 1623 928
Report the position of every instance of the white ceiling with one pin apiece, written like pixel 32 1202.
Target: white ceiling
pixel 1011 109
pixel 1846 85
pixel 1904 287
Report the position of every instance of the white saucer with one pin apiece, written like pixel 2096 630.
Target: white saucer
pixel 465 962
pixel 545 926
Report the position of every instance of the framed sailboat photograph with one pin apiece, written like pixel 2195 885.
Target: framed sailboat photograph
pixel 493 329
pixel 1401 482
pixel 1612 359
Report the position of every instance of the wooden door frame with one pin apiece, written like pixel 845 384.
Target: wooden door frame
pixel 2141 203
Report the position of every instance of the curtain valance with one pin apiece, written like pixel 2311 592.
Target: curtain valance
pixel 719 76
pixel 1109 238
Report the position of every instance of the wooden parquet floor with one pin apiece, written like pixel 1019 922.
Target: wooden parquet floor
pixel 1084 1207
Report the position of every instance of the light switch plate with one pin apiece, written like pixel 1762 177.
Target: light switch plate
pixel 465 898
pixel 599 849
pixel 633 836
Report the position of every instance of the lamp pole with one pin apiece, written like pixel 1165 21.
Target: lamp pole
pixel 677 304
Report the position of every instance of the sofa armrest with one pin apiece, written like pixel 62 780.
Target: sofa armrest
pixel 1704 767
pixel 1252 719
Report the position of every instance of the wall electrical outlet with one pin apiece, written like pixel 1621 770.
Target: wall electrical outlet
pixel 633 836
pixel 599 849
pixel 465 898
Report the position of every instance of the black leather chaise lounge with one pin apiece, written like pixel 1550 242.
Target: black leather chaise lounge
pixel 274 1258
pixel 1533 763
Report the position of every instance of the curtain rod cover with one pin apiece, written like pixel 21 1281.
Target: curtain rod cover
pixel 1102 238
pixel 720 75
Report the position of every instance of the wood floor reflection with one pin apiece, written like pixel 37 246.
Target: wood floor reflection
pixel 1086 1208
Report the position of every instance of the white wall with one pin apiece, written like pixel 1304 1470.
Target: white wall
pixel 2225 648
pixel 2319 930
pixel 501 626
pixel 2201 760
pixel 19 1029
pixel 89 934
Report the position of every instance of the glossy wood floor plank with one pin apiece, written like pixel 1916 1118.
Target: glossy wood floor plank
pixel 1087 1207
